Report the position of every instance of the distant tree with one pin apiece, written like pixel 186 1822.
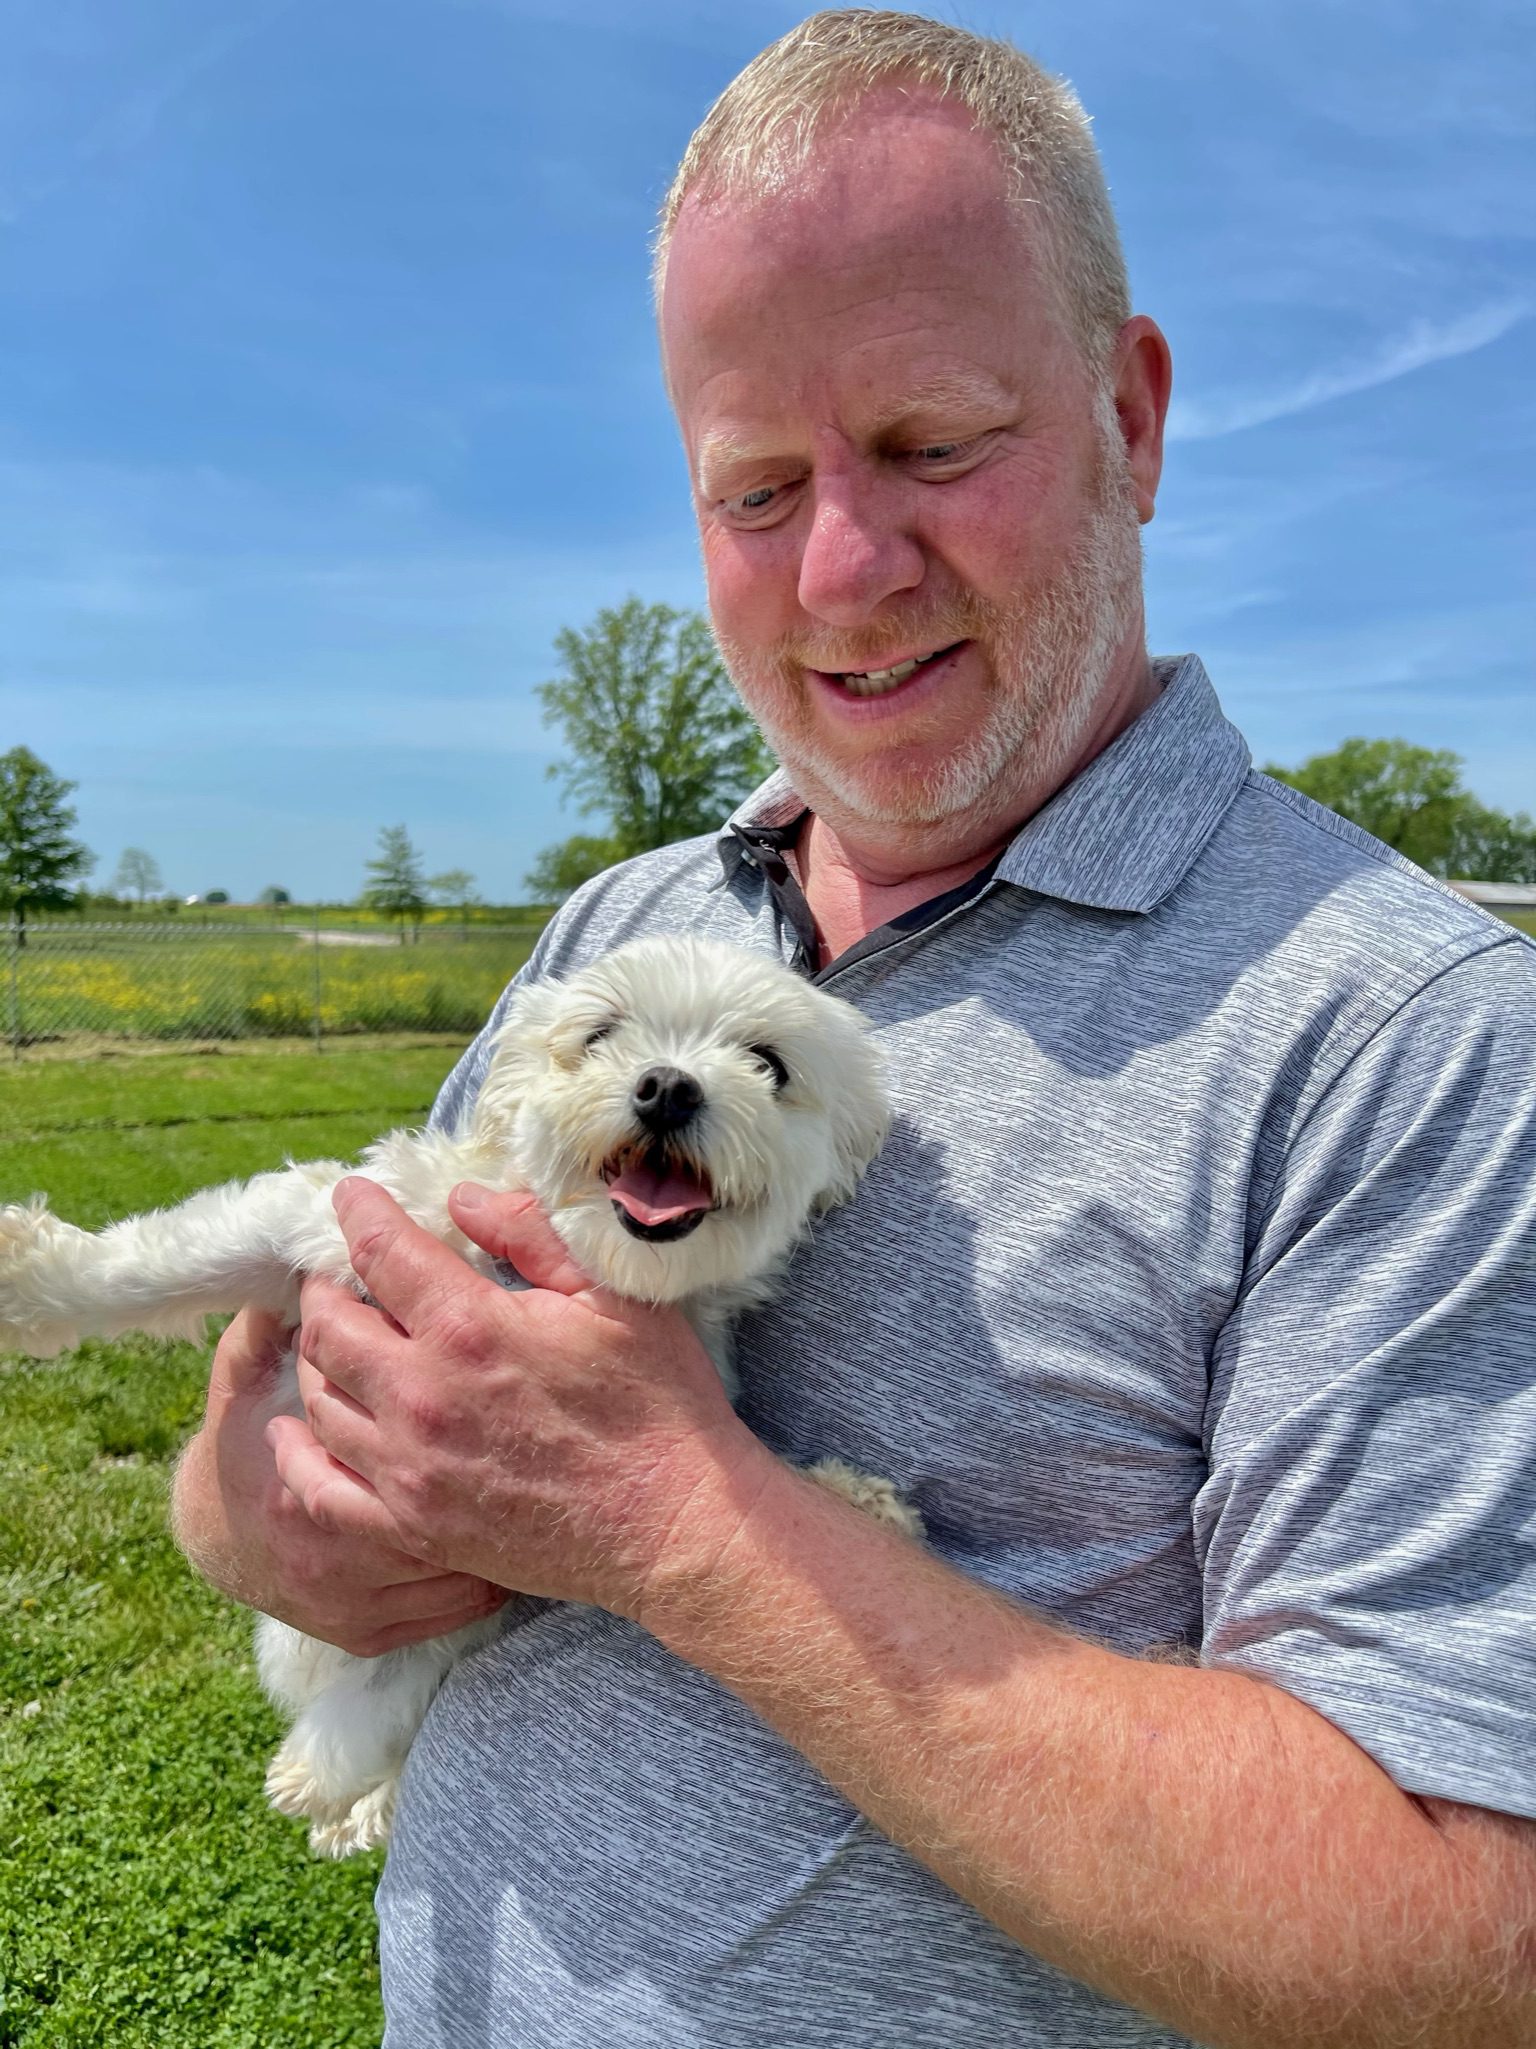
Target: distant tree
pixel 659 743
pixel 1411 797
pixel 398 885
pixel 272 896
pixel 565 867
pixel 138 874
pixel 216 896
pixel 455 886
pixel 39 857
pixel 1414 799
pixel 455 890
pixel 1488 846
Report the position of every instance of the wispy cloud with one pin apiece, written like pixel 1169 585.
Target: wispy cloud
pixel 1424 342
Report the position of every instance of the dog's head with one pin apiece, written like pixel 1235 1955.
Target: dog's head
pixel 681 1108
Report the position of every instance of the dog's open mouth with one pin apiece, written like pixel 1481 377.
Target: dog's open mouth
pixel 656 1195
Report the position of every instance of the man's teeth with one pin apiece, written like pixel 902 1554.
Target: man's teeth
pixel 876 682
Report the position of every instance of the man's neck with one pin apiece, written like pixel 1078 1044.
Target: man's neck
pixel 858 874
pixel 849 900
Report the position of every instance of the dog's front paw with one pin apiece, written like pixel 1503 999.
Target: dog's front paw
pixel 874 1496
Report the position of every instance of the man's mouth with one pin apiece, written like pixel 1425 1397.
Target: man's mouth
pixel 879 682
pixel 656 1195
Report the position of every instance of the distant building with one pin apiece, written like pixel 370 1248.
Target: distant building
pixel 1507 896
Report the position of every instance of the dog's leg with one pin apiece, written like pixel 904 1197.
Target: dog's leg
pixel 356 1718
pixel 227 1248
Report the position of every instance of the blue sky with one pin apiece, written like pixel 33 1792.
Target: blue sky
pixel 328 391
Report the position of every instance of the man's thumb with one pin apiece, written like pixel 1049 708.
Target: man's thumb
pixel 514 1228
pixel 250 1356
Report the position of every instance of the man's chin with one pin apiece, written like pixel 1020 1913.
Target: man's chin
pixel 875 792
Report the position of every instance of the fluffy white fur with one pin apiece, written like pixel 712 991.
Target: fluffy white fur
pixel 790 1112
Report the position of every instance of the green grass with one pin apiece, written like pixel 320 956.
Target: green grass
pixel 104 1137
pixel 147 1895
pixel 169 982
pixel 437 918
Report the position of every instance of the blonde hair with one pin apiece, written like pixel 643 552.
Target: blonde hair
pixel 766 123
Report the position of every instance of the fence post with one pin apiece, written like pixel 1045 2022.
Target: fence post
pixel 13 948
pixel 316 940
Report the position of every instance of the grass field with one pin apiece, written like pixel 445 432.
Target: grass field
pixel 165 981
pixel 148 1898
pixel 303 916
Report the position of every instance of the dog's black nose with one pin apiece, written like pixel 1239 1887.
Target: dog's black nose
pixel 666 1099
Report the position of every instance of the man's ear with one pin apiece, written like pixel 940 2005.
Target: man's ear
pixel 1143 384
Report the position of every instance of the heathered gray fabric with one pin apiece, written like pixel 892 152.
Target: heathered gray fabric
pixel 1192 1301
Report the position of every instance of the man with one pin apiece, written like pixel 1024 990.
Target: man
pixel 1191 1302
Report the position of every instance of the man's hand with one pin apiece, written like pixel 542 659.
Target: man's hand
pixel 561 1439
pixel 244 1531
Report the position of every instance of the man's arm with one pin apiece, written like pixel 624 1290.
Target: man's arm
pixel 1196 1843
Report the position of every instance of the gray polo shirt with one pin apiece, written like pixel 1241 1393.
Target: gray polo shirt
pixel 1192 1301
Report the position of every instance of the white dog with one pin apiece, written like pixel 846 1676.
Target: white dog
pixel 681 1109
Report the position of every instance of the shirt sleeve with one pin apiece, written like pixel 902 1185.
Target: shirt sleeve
pixel 1367 1532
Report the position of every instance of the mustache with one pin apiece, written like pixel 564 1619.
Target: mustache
pixel 877 645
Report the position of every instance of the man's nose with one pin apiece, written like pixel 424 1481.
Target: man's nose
pixel 859 551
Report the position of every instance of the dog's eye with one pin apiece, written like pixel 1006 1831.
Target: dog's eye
pixel 774 1065
pixel 594 1038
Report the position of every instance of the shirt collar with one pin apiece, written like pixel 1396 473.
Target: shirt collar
pixel 1119 837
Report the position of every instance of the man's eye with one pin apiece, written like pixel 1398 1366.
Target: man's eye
pixel 759 506
pixel 766 1057
pixel 938 454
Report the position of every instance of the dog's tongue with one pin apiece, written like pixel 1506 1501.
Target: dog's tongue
pixel 658 1198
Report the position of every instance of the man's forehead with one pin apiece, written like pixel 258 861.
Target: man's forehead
pixel 736 310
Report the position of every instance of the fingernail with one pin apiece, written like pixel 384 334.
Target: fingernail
pixel 468 1196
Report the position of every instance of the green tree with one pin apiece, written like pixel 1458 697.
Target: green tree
pixel 565 867
pixel 138 874
pixel 39 857
pixel 398 885
pixel 274 897
pixel 456 887
pixel 658 741
pixel 1411 797
pixel 1488 846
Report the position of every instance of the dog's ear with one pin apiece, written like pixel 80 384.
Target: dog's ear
pixel 519 1055
pixel 860 1114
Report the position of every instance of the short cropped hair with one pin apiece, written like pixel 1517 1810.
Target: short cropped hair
pixel 766 122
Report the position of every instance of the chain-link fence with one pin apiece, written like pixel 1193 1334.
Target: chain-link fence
pixel 67 983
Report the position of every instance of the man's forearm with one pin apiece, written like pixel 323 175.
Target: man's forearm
pixel 1193 1842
